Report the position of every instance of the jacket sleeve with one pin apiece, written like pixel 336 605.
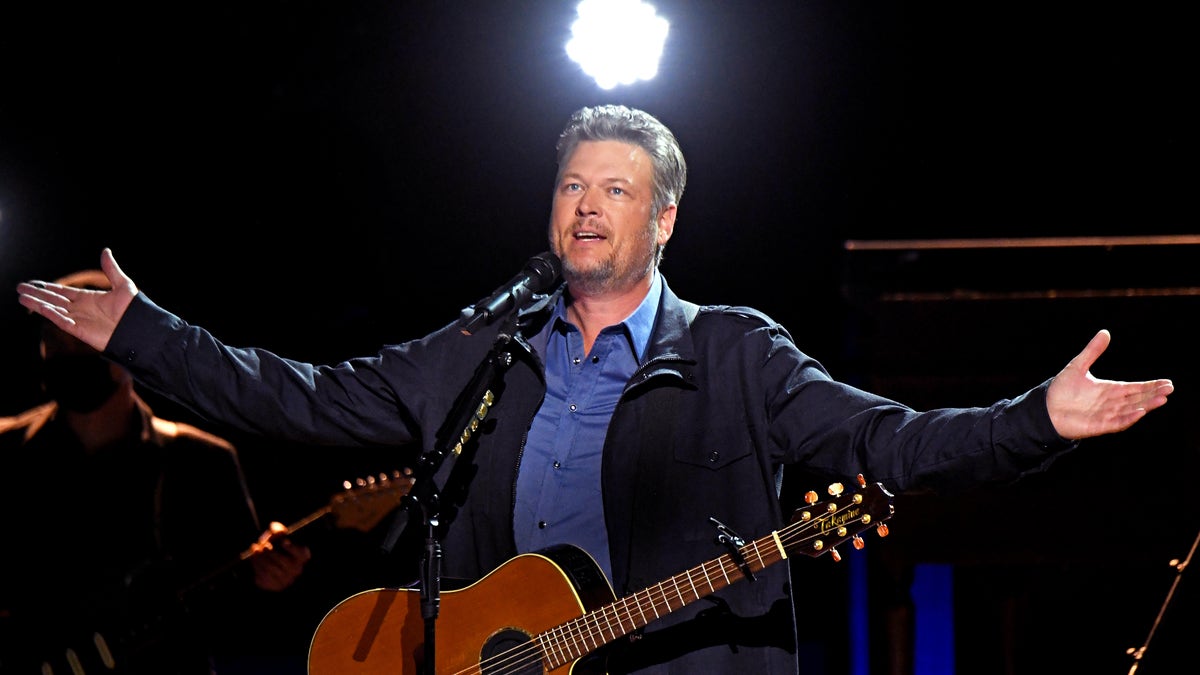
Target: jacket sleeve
pixel 837 429
pixel 364 401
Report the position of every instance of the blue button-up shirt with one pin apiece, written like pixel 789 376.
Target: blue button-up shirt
pixel 558 488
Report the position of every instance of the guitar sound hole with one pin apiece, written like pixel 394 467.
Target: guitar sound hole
pixel 509 652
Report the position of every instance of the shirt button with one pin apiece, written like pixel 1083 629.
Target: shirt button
pixel 557 465
pixel 573 407
pixel 595 359
pixel 575 360
pixel 541 524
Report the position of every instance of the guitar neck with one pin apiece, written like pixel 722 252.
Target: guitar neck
pixel 579 637
pixel 813 531
pixel 360 506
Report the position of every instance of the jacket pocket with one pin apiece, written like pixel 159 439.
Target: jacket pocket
pixel 715 447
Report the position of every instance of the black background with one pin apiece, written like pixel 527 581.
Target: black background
pixel 320 178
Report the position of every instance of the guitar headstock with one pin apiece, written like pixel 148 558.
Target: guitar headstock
pixel 367 501
pixel 819 526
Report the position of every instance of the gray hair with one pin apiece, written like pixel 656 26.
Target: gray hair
pixel 629 125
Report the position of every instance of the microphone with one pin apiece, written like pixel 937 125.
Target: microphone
pixel 539 275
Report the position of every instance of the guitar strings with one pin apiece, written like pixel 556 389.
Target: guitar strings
pixel 590 629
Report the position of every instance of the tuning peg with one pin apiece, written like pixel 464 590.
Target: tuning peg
pixel 882 529
pixel 810 497
pixel 836 489
pixel 857 542
pixel 862 481
pixel 397 474
pixel 833 553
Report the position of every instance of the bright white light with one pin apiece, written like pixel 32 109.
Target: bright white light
pixel 617 41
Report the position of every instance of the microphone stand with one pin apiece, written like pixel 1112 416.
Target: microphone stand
pixel 465 417
pixel 1139 652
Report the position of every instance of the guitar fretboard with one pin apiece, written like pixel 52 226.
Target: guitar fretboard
pixel 813 532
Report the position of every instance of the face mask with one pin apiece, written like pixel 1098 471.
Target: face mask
pixel 79 382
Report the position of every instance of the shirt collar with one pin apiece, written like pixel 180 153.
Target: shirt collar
pixel 638 325
pixel 641 322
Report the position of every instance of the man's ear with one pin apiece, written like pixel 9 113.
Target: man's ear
pixel 666 224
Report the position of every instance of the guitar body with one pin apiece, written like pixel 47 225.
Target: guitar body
pixel 381 631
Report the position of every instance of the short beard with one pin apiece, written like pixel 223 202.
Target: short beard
pixel 605 276
pixel 593 281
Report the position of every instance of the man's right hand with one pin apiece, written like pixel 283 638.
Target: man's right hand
pixel 89 315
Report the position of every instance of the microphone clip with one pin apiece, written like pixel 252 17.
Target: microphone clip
pixel 539 275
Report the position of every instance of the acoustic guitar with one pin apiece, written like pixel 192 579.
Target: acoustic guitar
pixel 570 610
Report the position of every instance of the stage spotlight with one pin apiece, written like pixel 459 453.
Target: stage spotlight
pixel 617 41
